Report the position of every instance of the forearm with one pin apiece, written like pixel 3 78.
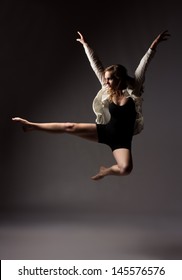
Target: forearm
pixel 142 68
pixel 95 62
pixel 153 46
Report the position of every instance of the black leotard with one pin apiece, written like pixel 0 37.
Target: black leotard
pixel 118 132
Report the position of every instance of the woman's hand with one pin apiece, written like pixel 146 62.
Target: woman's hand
pixel 81 39
pixel 160 38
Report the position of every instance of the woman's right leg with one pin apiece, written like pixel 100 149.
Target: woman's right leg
pixel 84 130
pixel 123 166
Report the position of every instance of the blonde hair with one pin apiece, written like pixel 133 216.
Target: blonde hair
pixel 119 72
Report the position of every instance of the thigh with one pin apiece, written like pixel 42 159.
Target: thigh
pixel 123 157
pixel 84 130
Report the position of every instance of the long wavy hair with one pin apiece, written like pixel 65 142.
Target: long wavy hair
pixel 119 72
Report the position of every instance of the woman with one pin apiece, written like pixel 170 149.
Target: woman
pixel 118 109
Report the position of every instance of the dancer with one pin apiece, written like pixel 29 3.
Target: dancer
pixel 117 106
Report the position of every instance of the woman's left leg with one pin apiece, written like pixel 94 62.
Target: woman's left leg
pixel 123 166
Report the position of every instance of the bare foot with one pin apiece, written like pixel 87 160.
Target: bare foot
pixel 26 125
pixel 102 173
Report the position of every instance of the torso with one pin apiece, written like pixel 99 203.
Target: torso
pixel 118 132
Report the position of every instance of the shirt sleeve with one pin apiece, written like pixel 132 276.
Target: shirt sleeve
pixel 95 63
pixel 141 70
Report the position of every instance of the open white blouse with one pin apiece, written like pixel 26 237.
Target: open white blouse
pixel 101 101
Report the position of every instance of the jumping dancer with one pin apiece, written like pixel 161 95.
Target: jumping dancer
pixel 117 106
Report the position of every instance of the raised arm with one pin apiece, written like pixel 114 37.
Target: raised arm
pixel 144 62
pixel 93 59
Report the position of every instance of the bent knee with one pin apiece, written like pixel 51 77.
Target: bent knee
pixel 125 169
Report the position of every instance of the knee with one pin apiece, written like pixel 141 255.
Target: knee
pixel 70 127
pixel 125 169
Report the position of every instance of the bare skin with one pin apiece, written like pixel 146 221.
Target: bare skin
pixel 87 131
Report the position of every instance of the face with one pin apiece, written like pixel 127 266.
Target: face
pixel 111 81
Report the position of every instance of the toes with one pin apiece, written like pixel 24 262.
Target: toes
pixel 97 177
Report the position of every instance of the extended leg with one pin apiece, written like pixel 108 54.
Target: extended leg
pixel 84 130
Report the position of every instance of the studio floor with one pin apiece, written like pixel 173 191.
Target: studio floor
pixel 90 237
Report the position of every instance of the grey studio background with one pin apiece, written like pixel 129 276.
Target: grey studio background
pixel 50 208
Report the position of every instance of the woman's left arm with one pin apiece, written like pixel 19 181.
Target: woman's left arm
pixel 144 62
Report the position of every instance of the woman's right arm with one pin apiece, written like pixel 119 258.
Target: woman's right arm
pixel 93 59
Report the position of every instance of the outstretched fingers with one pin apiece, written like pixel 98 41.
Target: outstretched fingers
pixel 81 39
pixel 163 36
